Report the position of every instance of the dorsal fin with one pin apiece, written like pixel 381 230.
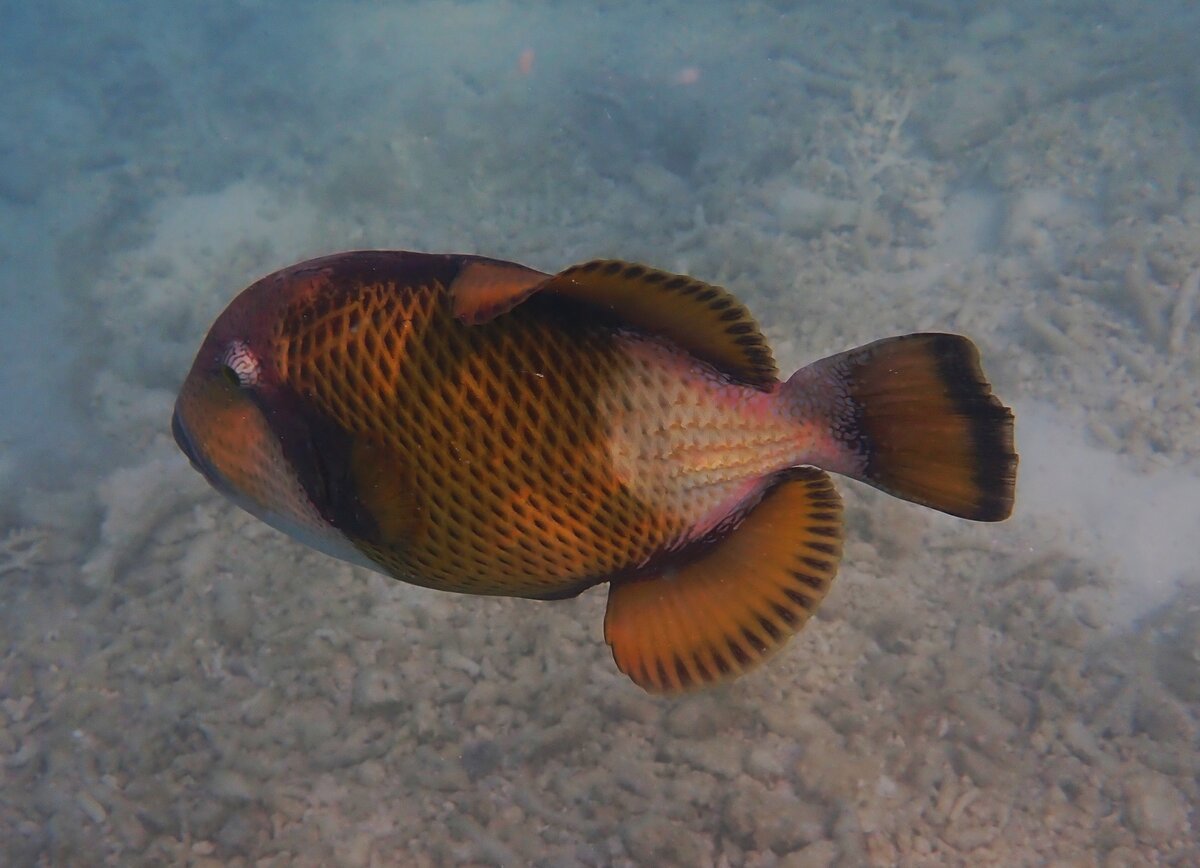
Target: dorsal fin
pixel 707 321
pixel 486 288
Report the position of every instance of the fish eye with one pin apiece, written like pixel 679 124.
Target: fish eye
pixel 239 365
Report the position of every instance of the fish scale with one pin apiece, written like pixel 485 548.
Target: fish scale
pixel 440 426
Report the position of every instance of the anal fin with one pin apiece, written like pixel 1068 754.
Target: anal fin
pixel 715 617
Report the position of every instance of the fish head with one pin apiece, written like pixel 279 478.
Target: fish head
pixel 240 427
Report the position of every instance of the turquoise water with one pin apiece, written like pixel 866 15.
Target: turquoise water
pixel 182 685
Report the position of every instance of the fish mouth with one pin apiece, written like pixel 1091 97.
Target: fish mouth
pixel 184 441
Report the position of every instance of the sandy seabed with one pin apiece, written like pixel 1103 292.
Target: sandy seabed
pixel 179 684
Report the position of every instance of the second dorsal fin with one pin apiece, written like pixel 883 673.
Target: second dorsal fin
pixel 707 321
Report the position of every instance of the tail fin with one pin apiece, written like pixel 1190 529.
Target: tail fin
pixel 915 417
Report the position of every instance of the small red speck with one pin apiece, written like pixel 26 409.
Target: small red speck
pixel 525 62
pixel 687 75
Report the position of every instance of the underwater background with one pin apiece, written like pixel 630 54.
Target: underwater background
pixel 180 684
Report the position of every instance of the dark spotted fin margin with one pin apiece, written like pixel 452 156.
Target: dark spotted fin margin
pixel 713 618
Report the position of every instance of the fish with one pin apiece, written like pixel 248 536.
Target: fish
pixel 473 425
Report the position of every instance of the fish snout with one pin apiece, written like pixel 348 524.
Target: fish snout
pixel 187 445
pixel 182 440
